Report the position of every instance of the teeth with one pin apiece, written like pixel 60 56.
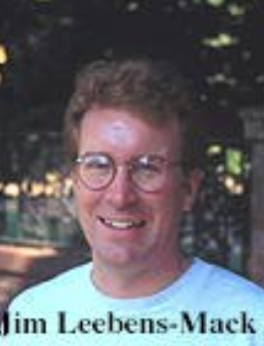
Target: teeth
pixel 122 224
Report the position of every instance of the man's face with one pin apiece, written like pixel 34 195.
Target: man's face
pixel 124 225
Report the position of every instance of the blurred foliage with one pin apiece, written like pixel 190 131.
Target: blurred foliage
pixel 216 42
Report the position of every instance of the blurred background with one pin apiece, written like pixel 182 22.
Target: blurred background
pixel 42 44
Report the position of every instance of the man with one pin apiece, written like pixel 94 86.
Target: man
pixel 131 133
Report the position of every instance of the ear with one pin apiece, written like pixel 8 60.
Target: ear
pixel 192 184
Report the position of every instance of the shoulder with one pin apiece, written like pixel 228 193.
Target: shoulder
pixel 223 284
pixel 56 290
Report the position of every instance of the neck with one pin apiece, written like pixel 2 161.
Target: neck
pixel 124 282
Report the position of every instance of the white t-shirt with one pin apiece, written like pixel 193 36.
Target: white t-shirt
pixel 207 306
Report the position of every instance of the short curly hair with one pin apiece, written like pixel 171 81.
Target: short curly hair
pixel 152 90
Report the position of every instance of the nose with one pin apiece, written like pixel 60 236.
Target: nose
pixel 121 193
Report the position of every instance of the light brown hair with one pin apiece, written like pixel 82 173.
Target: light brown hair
pixel 152 90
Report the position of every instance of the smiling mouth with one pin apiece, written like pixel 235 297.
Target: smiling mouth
pixel 122 225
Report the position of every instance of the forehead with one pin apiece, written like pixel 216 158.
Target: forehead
pixel 122 130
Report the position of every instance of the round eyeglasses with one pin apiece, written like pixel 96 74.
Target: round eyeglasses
pixel 147 172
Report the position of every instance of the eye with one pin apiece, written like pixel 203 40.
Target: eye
pixel 146 168
pixel 97 162
pixel 150 164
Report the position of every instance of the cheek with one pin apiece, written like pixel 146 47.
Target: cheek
pixel 170 207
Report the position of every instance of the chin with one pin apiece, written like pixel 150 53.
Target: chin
pixel 118 257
